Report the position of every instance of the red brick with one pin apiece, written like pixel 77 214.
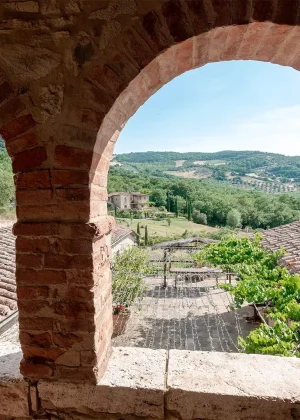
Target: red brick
pixel 20 144
pixel 66 178
pixel 25 197
pixel 11 110
pixel 81 277
pixel 73 194
pixel 17 127
pixel 72 246
pixel 73 325
pixel 100 179
pixel 29 260
pixel 36 324
pixel 74 212
pixel 32 353
pixel 66 340
pixel 68 261
pixel 92 119
pixel 29 160
pixel 80 294
pixel 34 293
pixel 75 374
pixel 40 277
pixel 87 358
pixel 36 370
pixel 36 339
pixel 84 230
pixel 75 310
pixel 35 229
pixel 108 79
pixel 34 179
pixel 34 308
pixel 34 245
pixel 73 157
pixel 5 92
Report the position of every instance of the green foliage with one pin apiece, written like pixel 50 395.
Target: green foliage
pixel 200 218
pixel 158 197
pixel 7 190
pixel 146 236
pixel 234 218
pixel 129 268
pixel 262 281
pixel 280 340
pixel 215 199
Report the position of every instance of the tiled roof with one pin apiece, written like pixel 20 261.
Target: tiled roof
pixel 119 233
pixel 8 298
pixel 287 237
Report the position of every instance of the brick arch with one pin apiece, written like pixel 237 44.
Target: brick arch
pixel 85 69
pixel 260 41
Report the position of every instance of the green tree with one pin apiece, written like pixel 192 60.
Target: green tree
pixel 234 218
pixel 7 190
pixel 159 197
pixel 200 218
pixel 189 210
pixel 168 201
pixel 138 232
pixel 176 206
pixel 146 236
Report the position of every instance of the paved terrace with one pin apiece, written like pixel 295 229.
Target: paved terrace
pixel 195 315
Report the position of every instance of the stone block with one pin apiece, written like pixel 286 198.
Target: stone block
pixel 133 384
pixel 229 386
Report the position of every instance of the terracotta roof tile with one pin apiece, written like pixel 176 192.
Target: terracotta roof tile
pixel 287 237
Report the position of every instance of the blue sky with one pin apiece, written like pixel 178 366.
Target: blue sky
pixel 237 105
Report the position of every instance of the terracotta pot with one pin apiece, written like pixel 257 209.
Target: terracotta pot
pixel 119 323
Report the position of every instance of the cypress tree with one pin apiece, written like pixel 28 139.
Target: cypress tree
pixel 138 231
pixel 115 211
pixel 176 207
pixel 189 214
pixel 146 235
pixel 168 201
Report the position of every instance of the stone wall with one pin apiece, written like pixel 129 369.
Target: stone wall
pixel 156 384
pixel 72 72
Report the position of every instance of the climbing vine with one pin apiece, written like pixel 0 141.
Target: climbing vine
pixel 262 282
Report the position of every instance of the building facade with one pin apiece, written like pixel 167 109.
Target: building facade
pixel 128 201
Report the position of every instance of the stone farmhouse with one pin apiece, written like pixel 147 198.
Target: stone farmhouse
pixel 128 201
pixel 72 73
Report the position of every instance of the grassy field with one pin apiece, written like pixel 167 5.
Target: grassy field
pixel 161 228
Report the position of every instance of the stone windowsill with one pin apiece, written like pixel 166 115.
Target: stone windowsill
pixel 156 383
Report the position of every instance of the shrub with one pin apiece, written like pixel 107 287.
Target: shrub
pixel 199 217
pixel 129 269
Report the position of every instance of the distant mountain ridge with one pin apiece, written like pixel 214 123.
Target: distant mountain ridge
pixel 247 168
pixel 148 157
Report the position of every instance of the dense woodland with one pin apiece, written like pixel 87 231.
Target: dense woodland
pixel 215 200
